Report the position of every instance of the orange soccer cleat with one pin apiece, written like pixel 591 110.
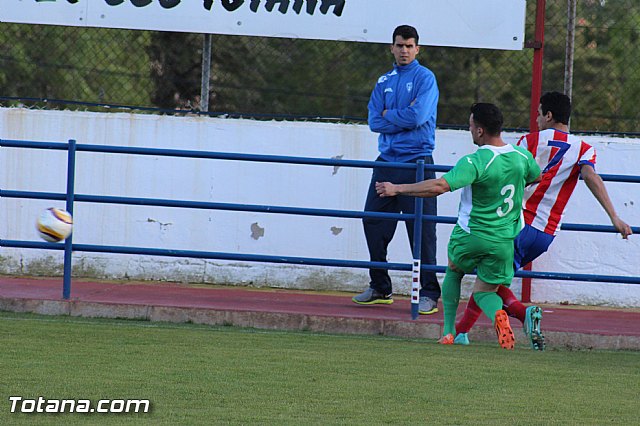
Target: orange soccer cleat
pixel 446 340
pixel 503 330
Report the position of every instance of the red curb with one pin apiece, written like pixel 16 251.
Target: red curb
pixel 588 321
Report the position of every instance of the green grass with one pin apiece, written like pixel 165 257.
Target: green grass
pixel 225 375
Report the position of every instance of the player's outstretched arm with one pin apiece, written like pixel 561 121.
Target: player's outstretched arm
pixel 596 186
pixel 426 188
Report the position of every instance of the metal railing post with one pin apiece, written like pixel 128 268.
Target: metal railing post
pixel 71 175
pixel 536 91
pixel 417 246
pixel 206 73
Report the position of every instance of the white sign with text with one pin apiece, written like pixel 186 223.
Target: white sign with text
pixel 495 24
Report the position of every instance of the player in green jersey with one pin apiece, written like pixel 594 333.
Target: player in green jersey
pixel 489 217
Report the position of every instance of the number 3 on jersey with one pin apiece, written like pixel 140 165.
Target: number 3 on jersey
pixel 511 189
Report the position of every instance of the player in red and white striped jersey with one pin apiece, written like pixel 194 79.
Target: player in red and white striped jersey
pixel 563 158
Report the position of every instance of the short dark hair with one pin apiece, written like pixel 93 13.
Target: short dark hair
pixel 406 32
pixel 488 116
pixel 559 104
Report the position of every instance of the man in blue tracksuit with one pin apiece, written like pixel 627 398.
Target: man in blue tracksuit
pixel 402 109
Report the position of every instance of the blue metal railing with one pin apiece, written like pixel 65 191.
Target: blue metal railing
pixel 70 197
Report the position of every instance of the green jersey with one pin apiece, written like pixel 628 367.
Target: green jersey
pixel 492 181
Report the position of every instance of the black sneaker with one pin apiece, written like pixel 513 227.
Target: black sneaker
pixel 372 297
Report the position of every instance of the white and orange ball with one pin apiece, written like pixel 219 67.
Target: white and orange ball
pixel 54 225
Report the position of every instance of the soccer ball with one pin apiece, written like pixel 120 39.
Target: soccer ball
pixel 54 225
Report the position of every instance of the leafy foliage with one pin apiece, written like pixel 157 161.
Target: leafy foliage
pixel 92 65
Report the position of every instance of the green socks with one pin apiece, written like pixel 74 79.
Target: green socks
pixel 489 302
pixel 450 300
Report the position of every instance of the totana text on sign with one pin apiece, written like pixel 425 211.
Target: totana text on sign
pixel 310 6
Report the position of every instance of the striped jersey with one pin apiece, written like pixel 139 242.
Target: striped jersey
pixel 492 181
pixel 560 156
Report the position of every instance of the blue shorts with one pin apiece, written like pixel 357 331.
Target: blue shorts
pixel 529 245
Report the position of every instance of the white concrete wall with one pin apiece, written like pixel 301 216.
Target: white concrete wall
pixel 265 184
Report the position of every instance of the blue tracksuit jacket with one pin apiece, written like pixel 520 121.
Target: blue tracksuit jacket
pixel 406 131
